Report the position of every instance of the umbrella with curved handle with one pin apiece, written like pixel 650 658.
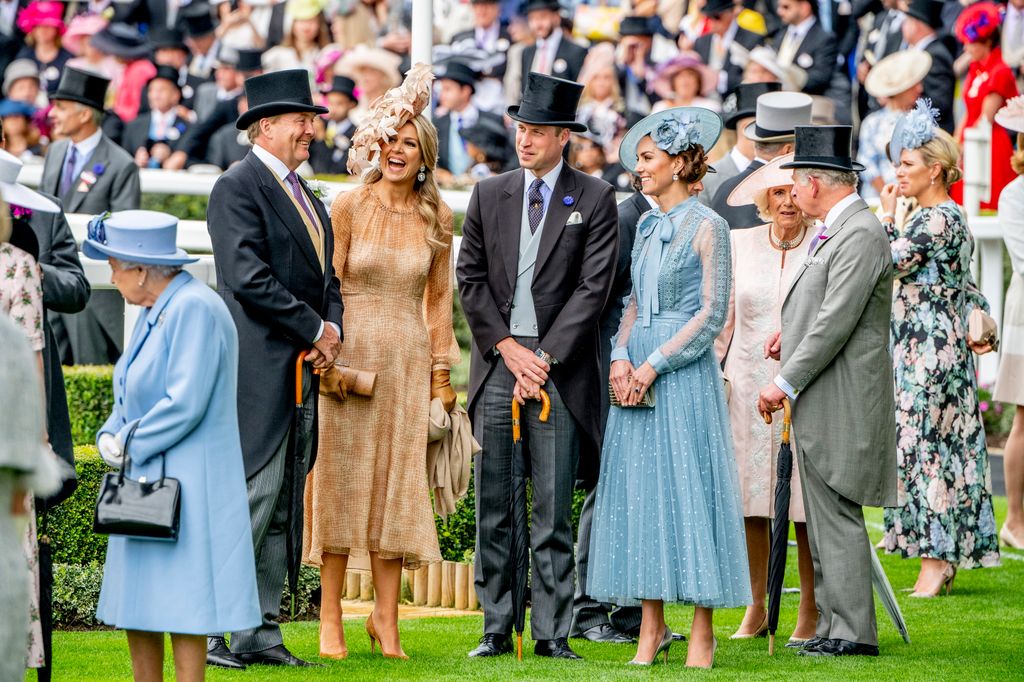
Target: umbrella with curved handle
pixel 520 535
pixel 780 525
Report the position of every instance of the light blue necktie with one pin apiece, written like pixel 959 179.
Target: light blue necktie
pixel 654 250
pixel 825 14
pixel 458 157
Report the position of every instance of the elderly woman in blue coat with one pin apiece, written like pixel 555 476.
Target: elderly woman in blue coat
pixel 175 405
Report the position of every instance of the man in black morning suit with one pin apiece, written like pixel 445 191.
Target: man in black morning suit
pixel 802 41
pixel 920 30
pixel 539 251
pixel 715 46
pixel 553 53
pixel 273 248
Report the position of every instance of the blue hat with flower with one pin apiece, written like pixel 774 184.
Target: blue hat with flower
pixel 914 129
pixel 147 237
pixel 673 131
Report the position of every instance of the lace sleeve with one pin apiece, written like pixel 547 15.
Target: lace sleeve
pixel 922 238
pixel 711 243
pixel 621 340
pixel 724 340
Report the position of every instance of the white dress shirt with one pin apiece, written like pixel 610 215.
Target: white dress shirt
pixel 84 150
pixel 549 47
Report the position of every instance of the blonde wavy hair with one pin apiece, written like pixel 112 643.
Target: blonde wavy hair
pixel 429 194
pixel 943 150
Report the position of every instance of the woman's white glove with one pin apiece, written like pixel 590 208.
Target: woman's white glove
pixel 110 449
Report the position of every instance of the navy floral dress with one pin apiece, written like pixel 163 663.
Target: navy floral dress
pixel 944 497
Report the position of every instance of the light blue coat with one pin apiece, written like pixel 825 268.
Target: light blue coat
pixel 178 379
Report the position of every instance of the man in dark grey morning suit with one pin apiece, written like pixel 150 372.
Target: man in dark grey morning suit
pixel 538 255
pixel 90 174
pixel 837 371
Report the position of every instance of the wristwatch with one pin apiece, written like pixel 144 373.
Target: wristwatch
pixel 545 356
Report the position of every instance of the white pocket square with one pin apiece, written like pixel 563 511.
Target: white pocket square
pixel 574 219
pixel 814 260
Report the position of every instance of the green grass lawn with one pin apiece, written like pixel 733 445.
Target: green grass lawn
pixel 977 633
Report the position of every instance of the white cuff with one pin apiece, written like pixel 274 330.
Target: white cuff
pixel 786 387
pixel 319 333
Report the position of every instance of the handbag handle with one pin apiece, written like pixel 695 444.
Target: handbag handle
pixel 125 468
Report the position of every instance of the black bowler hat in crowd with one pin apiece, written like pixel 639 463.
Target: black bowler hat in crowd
pixel 121 40
pixel 742 103
pixel 345 86
pixel 531 5
pixel 928 11
pixel 457 71
pixel 638 26
pixel 280 92
pixel 826 147
pixel 167 73
pixel 161 37
pixel 197 19
pixel 549 101
pixel 83 87
pixel 713 7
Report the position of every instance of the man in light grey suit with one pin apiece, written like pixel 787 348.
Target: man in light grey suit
pixel 837 372
pixel 90 174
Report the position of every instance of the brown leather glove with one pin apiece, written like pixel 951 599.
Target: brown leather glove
pixel 332 383
pixel 441 387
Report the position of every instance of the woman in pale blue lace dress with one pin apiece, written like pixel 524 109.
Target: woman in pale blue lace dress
pixel 668 521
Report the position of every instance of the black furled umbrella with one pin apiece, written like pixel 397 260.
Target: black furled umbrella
pixel 520 532
pixel 45 564
pixel 295 471
pixel 780 526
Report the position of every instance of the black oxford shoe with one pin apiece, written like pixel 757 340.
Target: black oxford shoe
pixel 492 645
pixel 556 648
pixel 813 643
pixel 276 655
pixel 218 654
pixel 841 647
pixel 605 633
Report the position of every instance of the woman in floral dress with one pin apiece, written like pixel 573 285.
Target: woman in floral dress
pixel 945 502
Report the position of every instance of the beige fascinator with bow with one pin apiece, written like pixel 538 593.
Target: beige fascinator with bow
pixel 387 114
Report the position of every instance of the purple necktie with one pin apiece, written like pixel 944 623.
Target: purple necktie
pixel 817 238
pixel 69 171
pixel 297 192
pixel 536 208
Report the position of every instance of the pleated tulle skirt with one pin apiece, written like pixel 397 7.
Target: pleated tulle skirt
pixel 668 519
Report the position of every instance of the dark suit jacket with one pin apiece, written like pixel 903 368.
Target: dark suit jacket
pixel 747 39
pixel 568 51
pixel 444 132
pixel 225 150
pixel 821 49
pixel 196 139
pixel 136 134
pixel 333 160
pixel 573 278
pixel 738 217
pixel 270 278
pixel 468 39
pixel 116 188
pixel 65 290
pixel 940 83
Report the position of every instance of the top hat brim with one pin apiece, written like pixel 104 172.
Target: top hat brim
pixel 735 117
pixel 750 132
pixel 275 109
pixel 70 97
pixel 820 163
pixel 574 126
pixel 104 44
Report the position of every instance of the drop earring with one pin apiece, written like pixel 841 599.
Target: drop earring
pixel 933 181
pixel 422 175
pixel 675 177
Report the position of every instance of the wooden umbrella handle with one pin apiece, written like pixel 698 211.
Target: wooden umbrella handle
pixel 545 405
pixel 787 415
pixel 545 412
pixel 298 375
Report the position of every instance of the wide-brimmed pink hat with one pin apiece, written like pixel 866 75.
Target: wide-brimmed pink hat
pixel 42 13
pixel 684 60
pixel 81 28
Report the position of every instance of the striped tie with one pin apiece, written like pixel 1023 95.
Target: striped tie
pixel 536 210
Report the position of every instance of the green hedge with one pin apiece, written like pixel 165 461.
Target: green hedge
pixel 69 526
pixel 90 399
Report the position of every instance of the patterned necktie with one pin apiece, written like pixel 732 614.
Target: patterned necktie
pixel 536 199
pixel 293 181
pixel 817 238
pixel 69 171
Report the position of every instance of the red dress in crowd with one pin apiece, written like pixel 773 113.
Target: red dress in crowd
pixel 983 78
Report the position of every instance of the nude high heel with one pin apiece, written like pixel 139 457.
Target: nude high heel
pixel 371 632
pixel 948 575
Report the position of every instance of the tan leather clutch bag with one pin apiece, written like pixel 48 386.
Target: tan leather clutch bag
pixel 981 329
pixel 646 401
pixel 339 382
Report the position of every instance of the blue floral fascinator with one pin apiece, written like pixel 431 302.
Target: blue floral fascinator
pixel 914 129
pixel 673 130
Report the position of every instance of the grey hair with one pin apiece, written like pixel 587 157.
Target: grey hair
pixel 97 115
pixel 161 271
pixel 832 178
pixel 769 150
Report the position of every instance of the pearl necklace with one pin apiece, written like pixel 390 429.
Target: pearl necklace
pixel 783 244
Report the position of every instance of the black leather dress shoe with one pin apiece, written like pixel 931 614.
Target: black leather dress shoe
pixel 813 643
pixel 605 634
pixel 841 647
pixel 218 654
pixel 492 645
pixel 556 648
pixel 276 655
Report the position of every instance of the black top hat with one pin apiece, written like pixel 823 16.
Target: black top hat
pixel 638 26
pixel 197 19
pixel 167 73
pixel 280 92
pixel 928 11
pixel 345 86
pixel 161 37
pixel 484 2
pixel 83 87
pixel 742 103
pixel 713 7
pixel 531 5
pixel 827 147
pixel 121 40
pixel 460 72
pixel 549 101
pixel 248 60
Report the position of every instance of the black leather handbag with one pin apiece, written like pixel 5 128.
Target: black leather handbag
pixel 149 510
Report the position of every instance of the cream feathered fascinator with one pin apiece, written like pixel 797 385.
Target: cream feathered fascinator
pixel 387 114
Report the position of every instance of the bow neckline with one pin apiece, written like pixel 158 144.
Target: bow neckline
pixel 654 250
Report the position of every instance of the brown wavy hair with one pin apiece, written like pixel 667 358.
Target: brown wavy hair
pixel 429 194
pixel 695 164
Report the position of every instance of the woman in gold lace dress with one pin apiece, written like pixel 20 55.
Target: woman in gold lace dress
pixel 367 493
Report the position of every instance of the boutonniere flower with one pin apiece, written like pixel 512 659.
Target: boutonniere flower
pixel 318 188
pixel 568 200
pixel 99 169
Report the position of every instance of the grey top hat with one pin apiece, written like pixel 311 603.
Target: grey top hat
pixel 778 114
